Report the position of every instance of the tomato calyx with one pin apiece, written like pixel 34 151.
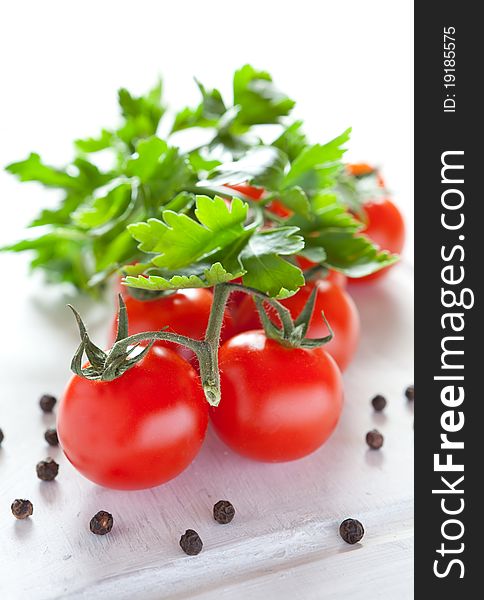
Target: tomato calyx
pixel 127 351
pixel 292 333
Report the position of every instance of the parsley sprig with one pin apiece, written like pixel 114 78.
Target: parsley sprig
pixel 171 213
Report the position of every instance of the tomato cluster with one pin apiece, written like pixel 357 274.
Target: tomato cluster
pixel 145 427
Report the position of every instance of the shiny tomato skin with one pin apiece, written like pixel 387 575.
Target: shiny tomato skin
pixel 186 312
pixel 386 228
pixel 278 404
pixel 337 278
pixel 385 225
pixel 137 431
pixel 338 307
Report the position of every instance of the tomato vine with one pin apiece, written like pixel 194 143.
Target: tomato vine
pixel 126 351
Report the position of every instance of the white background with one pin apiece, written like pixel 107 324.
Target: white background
pixel 345 63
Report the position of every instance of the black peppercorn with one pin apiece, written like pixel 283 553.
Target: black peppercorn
pixel 351 531
pixel 47 403
pixel 410 392
pixel 51 437
pixel 21 509
pixel 223 512
pixel 2 437
pixel 379 402
pixel 191 543
pixel 101 523
pixel 374 439
pixel 47 469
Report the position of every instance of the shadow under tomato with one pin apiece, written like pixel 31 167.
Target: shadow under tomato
pixel 381 313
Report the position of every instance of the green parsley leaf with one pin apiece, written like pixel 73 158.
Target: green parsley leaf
pixel 201 164
pixel 292 141
pixel 353 255
pixel 161 168
pixel 258 99
pixel 142 114
pixel 317 166
pixel 296 200
pixel 59 254
pixel 89 145
pixel 105 207
pixel 263 166
pixel 326 212
pixel 216 248
pixel 206 114
pixel 212 103
pixel 212 276
pixel 33 169
pixel 148 197
pixel 266 270
pixel 181 241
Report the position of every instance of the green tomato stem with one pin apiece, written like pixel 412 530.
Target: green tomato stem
pixel 208 353
pixel 283 312
pixel 106 366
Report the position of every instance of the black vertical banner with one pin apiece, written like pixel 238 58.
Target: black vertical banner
pixel 449 257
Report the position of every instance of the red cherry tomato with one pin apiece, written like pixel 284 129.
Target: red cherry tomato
pixel 385 227
pixel 139 430
pixel 185 312
pixel 279 209
pixel 256 194
pixel 278 403
pixel 338 307
pixel 363 169
pixel 234 302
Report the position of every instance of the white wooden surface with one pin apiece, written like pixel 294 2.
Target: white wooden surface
pixel 345 63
